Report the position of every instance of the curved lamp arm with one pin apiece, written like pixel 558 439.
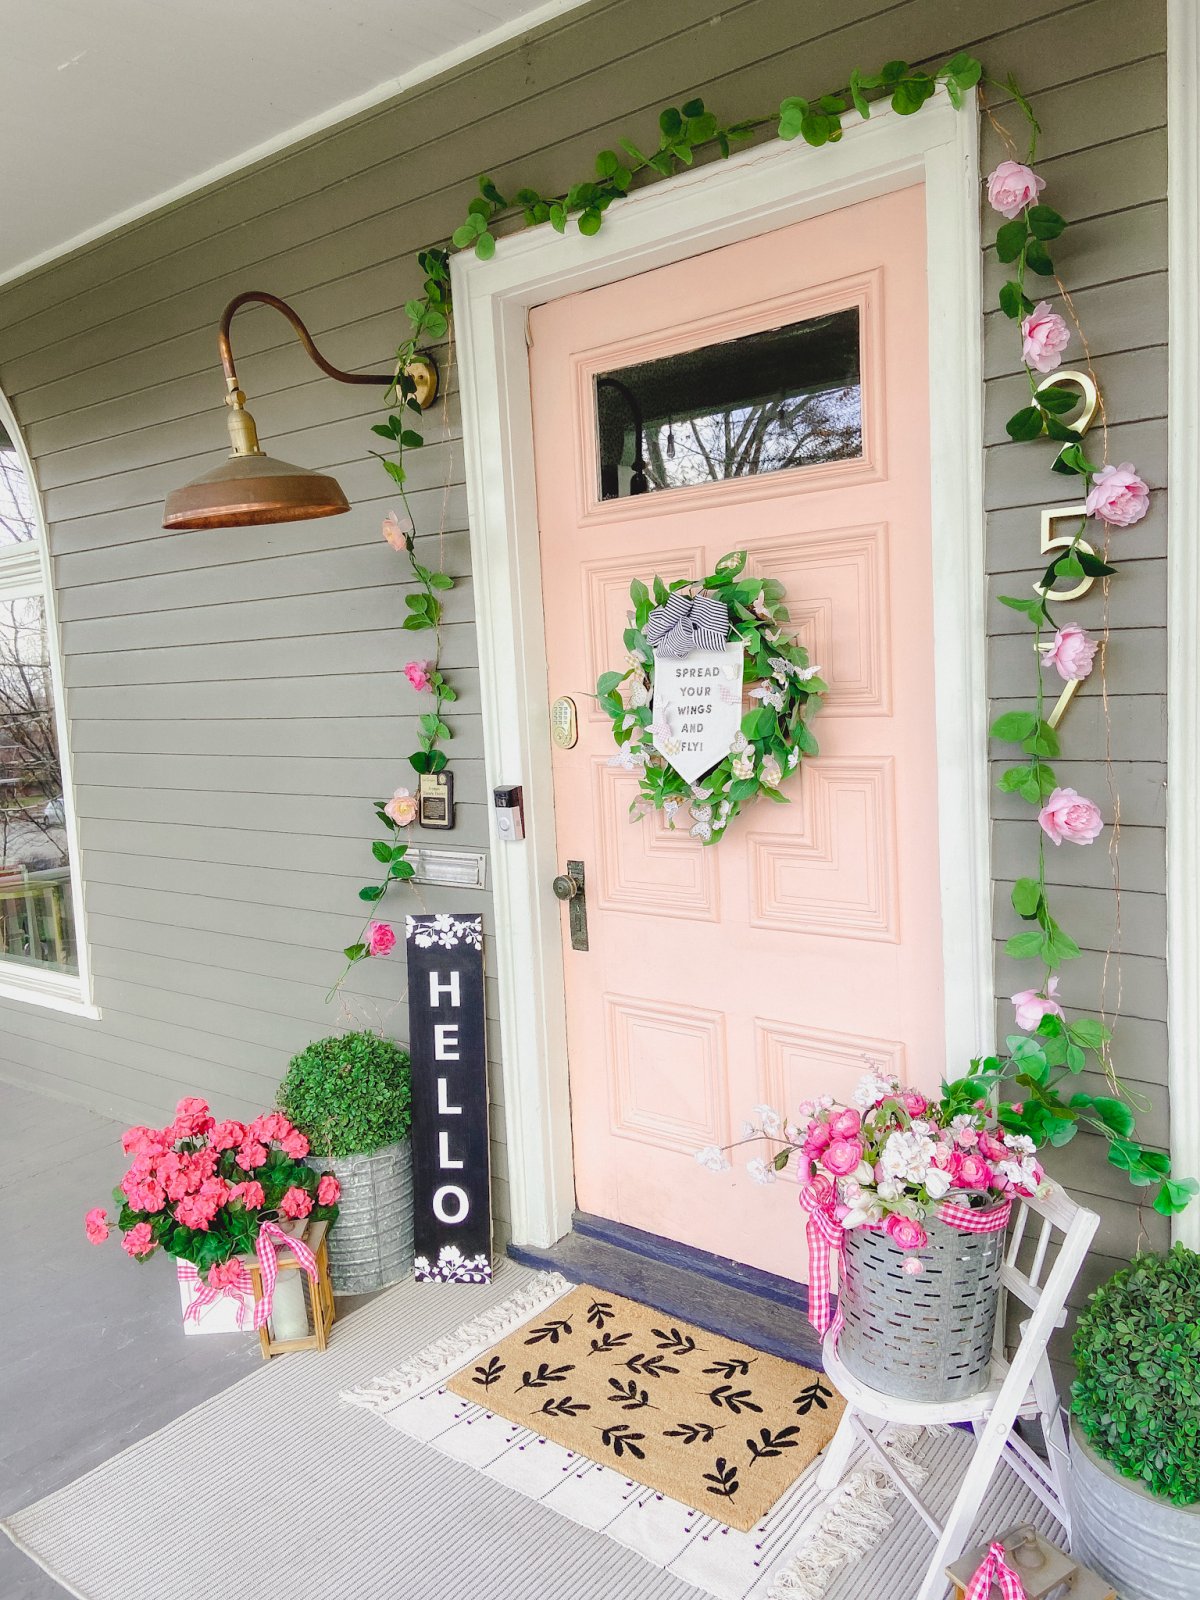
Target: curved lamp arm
pixel 422 371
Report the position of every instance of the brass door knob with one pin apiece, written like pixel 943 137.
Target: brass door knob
pixel 564 887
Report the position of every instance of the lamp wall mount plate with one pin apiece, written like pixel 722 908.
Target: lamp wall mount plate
pixel 250 487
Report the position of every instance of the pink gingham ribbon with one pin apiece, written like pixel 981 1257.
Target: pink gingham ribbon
pixel 826 1239
pixel 995 1570
pixel 268 1233
pixel 207 1294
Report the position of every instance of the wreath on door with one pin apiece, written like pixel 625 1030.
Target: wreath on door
pixel 692 619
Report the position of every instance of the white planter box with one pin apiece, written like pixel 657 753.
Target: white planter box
pixel 220 1317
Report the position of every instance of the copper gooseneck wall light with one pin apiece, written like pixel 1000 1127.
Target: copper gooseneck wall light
pixel 252 487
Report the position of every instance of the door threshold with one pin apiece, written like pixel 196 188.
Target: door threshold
pixel 725 1297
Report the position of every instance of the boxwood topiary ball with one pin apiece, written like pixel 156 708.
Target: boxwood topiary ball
pixel 349 1094
pixel 1137 1353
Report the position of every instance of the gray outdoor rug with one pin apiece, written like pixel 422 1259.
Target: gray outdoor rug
pixel 277 1486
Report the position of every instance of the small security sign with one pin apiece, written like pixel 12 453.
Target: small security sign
pixel 451 1177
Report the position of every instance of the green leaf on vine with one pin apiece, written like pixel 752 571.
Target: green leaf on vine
pixel 1045 222
pixel 1014 726
pixel 1025 424
pixel 485 246
pixel 1026 897
pixel 1024 946
pixel 911 94
pixel 861 104
pixel 1093 565
pixel 1114 1114
pixel 1010 239
pixel 1013 300
pixel 1058 399
pixel 381 851
pixel 792 113
pixel 1089 1033
pixel 372 892
pixel 1037 258
pixel 354 952
pixel 1174 1195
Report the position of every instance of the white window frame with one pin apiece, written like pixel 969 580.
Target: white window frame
pixel 759 190
pixel 25 571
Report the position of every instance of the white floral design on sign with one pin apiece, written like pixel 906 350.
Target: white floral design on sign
pixel 446 931
pixel 453 1267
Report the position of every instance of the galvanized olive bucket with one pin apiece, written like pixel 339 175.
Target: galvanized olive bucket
pixel 923 1336
pixel 371 1244
pixel 1146 1547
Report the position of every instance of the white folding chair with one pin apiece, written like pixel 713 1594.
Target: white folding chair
pixel 1020 1387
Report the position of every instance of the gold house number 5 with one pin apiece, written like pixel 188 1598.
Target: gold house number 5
pixel 1052 515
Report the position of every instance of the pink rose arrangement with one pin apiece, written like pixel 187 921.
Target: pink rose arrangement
pixel 1068 815
pixel 1044 337
pixel 1118 496
pixel 1072 652
pixel 198 1189
pixel 1012 187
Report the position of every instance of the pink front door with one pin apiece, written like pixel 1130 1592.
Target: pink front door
pixel 775 392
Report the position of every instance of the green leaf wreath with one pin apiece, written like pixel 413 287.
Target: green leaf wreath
pixel 773 736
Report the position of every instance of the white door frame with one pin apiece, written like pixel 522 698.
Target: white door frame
pixel 759 190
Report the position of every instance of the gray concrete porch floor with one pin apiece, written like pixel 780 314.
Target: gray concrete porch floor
pixel 92 1353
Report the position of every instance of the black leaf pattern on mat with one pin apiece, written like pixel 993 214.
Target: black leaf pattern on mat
pixel 723 1479
pixel 554 1331
pixel 620 1438
pixel 600 1312
pixel 563 1406
pixel 694 1432
pixel 674 1341
pixel 735 1367
pixel 650 1366
pixel 813 1394
pixel 545 1375
pixel 487 1376
pixel 770 1444
pixel 737 1400
pixel 627 1395
pixel 608 1342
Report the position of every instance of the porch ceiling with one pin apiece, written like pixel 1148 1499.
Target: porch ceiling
pixel 107 111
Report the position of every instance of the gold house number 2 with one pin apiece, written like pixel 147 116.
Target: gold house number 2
pixel 1053 515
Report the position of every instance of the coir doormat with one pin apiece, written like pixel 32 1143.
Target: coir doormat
pixel 707 1421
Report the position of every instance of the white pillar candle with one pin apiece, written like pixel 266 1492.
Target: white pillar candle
pixel 289 1313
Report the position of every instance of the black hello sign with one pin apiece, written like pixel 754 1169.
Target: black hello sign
pixel 451 1167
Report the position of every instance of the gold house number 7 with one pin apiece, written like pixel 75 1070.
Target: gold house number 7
pixel 1052 515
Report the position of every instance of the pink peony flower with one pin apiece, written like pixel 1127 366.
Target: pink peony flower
pixel 914 1266
pixel 1072 652
pixel 417 673
pixel 905 1233
pixel 1118 496
pixel 251 1156
pixel 842 1156
pixel 295 1144
pixel 1012 187
pixel 329 1191
pixel 96 1225
pixel 990 1147
pixel 1044 337
pixel 296 1202
pixel 846 1125
pixel 1068 815
pixel 397 533
pixel 1031 1006
pixel 139 1241
pixel 974 1172
pixel 192 1118
pixel 226 1274
pixel 381 939
pixel 817 1137
pixel 249 1193
pixel 915 1104
pixel 228 1135
pixel 402 808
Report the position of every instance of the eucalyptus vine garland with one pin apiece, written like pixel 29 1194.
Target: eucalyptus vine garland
pixel 773 736
pixel 1048 1048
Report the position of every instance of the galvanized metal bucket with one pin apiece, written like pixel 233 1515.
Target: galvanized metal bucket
pixel 371 1244
pixel 1147 1548
pixel 924 1336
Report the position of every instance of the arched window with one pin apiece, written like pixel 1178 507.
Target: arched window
pixel 40 954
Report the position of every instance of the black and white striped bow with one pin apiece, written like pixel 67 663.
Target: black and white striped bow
pixel 681 624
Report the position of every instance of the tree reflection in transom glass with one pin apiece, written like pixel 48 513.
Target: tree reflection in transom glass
pixel 786 397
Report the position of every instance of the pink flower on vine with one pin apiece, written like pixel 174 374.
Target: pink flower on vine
pixel 1012 187
pixel 1044 337
pixel 402 808
pixel 417 673
pixel 1071 816
pixel 398 534
pixel 1031 1005
pixel 1072 652
pixel 381 939
pixel 1118 496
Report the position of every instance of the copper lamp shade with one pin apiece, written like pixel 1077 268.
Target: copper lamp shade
pixel 250 488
